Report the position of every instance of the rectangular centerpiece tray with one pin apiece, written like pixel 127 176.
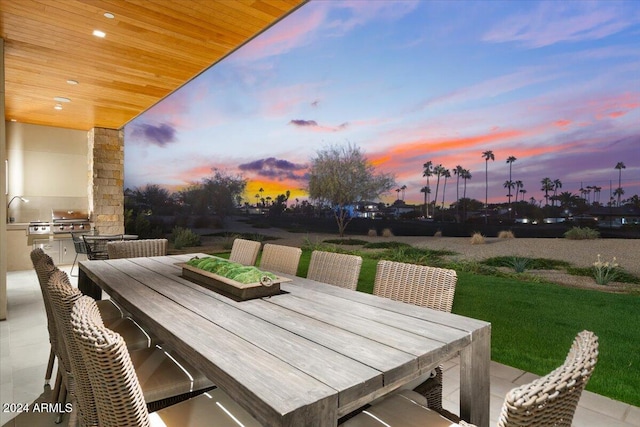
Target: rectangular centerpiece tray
pixel 231 288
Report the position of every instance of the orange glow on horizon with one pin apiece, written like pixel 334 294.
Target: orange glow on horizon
pixel 272 189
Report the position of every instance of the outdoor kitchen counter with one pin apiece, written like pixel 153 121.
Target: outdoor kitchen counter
pixel 18 247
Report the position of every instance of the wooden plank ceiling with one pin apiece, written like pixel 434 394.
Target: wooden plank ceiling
pixel 151 48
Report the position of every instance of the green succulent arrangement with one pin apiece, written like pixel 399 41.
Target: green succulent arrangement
pixel 231 270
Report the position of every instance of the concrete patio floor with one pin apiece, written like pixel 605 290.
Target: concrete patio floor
pixel 24 351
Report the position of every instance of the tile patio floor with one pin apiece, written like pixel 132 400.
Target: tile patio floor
pixel 24 351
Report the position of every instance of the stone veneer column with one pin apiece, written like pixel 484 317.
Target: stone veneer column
pixel 106 180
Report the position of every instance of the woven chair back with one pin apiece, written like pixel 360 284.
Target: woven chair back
pixel 44 267
pixel 63 297
pixel 118 395
pixel 552 399
pixel 420 285
pixel 244 251
pixel 335 269
pixel 137 248
pixel 280 259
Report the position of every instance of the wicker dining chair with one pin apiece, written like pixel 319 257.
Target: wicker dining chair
pixel 333 268
pixel 166 378
pixel 548 401
pixel 424 286
pixel 280 259
pixel 137 248
pixel 97 245
pixel 244 251
pixel 117 394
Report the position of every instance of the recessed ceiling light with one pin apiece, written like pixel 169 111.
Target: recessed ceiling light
pixel 72 82
pixel 61 99
pixel 109 15
pixel 57 107
pixel 13 120
pixel 99 33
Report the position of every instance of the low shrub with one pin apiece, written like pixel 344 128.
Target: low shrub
pixel 605 271
pixel 532 263
pixel 506 234
pixel 349 242
pixel 372 232
pixel 184 237
pixel 387 232
pixel 578 233
pixel 477 239
pixel 519 264
pixel 386 245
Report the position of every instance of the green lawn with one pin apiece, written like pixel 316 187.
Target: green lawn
pixel 533 325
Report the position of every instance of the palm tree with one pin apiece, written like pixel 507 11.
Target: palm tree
pixel 457 171
pixel 547 185
pixel 510 161
pixel 261 190
pixel 519 185
pixel 618 192
pixel 509 185
pixel 556 185
pixel 596 194
pixel 486 155
pixel 398 193
pixel 438 170
pixel 466 174
pixel 589 188
pixel 257 199
pixel 523 192
pixel 446 174
pixel 619 166
pixel 403 188
pixel 427 171
pixel 426 190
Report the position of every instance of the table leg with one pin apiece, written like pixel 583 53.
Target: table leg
pixel 87 287
pixel 475 362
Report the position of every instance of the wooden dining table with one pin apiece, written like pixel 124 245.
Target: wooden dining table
pixel 305 357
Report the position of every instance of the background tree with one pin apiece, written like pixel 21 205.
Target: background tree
pixel 618 192
pixel 426 190
pixel 342 176
pixel 519 184
pixel 547 185
pixel 427 171
pixel 457 172
pixel 447 174
pixel 438 171
pixel 557 184
pixel 466 174
pixel 510 161
pixel 619 166
pixel 403 189
pixel 220 191
pixel 487 155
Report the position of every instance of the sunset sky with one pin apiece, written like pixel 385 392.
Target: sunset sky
pixel 555 84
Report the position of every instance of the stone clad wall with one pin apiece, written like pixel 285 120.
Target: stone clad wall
pixel 106 180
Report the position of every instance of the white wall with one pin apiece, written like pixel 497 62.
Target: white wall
pixel 47 166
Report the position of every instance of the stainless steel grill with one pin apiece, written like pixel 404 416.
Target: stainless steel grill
pixel 62 221
pixel 67 221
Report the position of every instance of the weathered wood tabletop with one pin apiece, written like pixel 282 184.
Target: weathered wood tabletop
pixel 305 357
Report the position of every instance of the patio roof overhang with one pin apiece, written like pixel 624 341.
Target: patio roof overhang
pixel 151 48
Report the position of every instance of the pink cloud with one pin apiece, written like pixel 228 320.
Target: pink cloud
pixel 562 123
